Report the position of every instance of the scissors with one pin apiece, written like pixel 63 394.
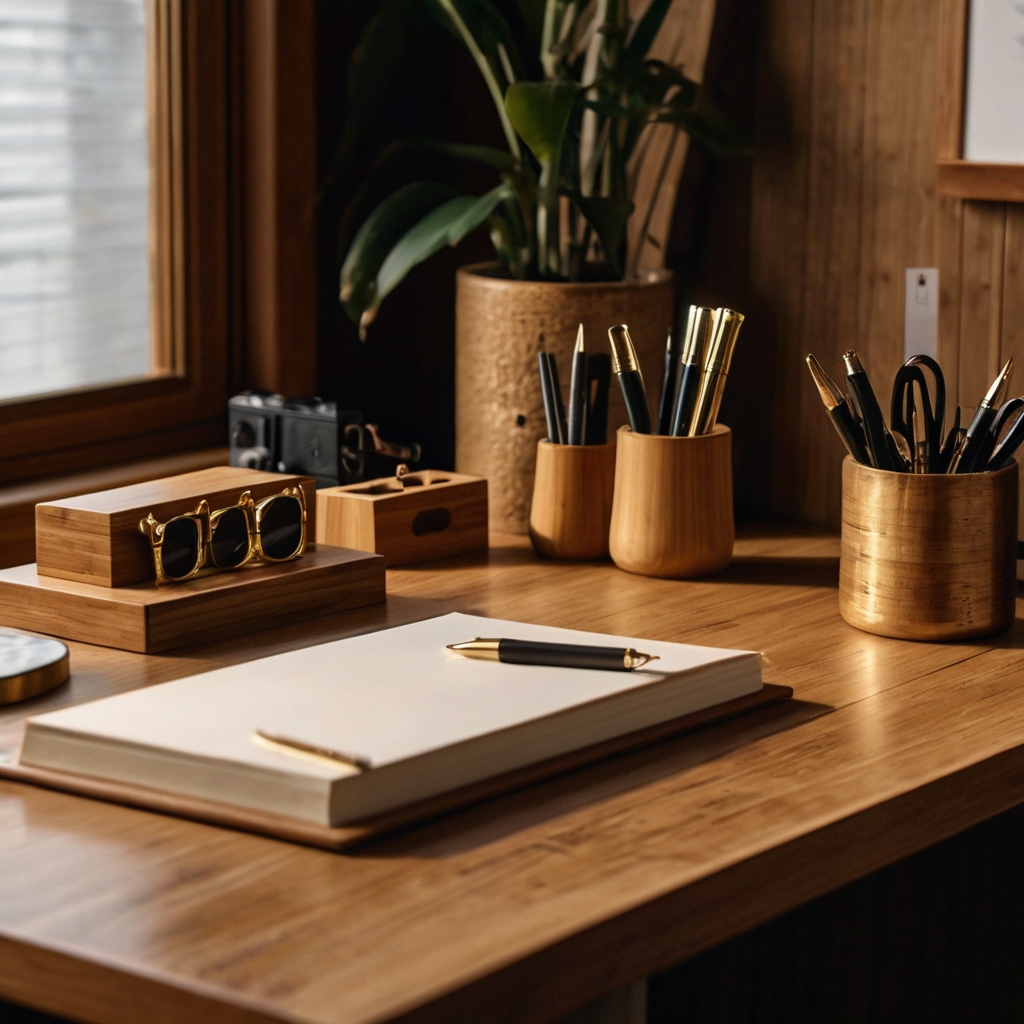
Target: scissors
pixel 926 450
pixel 1004 449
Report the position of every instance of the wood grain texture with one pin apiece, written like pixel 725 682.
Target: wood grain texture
pixel 435 514
pixel 672 510
pixel 94 538
pixel 845 196
pixel 928 557
pixel 972 180
pixel 18 504
pixel 147 617
pixel 571 509
pixel 500 328
pixel 521 909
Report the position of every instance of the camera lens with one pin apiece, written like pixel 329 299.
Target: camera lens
pixel 230 543
pixel 180 548
pixel 281 527
pixel 242 434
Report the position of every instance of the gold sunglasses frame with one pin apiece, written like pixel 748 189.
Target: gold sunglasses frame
pixel 206 522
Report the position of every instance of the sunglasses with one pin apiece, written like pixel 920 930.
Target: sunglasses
pixel 271 530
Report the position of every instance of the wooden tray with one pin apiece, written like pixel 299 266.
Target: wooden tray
pixel 305 832
pixel 148 618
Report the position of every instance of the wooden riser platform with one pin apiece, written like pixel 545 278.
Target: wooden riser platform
pixel 148 618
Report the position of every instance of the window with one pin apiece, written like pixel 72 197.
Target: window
pixel 74 195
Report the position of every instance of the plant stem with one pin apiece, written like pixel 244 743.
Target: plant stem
pixel 489 78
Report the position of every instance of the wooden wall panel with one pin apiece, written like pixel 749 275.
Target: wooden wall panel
pixel 1012 332
pixel 843 200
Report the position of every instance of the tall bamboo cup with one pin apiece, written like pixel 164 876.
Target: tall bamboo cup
pixel 672 512
pixel 572 500
pixel 928 556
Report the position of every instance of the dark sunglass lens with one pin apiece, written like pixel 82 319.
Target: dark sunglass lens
pixel 230 542
pixel 281 527
pixel 180 550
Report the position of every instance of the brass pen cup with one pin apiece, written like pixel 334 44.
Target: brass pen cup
pixel 928 556
pixel 572 500
pixel 672 515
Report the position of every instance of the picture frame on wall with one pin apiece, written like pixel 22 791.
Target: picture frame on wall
pixel 981 100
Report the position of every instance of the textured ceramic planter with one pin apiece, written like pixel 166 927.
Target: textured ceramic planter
pixel 500 327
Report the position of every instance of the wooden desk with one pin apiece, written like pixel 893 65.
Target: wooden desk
pixel 521 909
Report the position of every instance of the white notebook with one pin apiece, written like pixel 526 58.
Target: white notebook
pixel 428 720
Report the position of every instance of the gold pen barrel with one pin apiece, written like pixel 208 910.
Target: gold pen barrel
pixel 727 325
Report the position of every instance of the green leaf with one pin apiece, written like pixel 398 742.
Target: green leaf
pixel 539 112
pixel 448 224
pixel 609 217
pixel 647 29
pixel 377 237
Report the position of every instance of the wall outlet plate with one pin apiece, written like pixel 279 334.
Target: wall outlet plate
pixel 921 312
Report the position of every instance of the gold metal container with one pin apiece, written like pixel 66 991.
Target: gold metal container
pixel 928 557
pixel 672 514
pixel 572 500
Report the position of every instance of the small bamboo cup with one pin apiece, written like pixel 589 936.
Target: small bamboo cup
pixel 672 514
pixel 572 500
pixel 928 557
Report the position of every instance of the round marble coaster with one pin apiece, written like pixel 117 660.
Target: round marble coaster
pixel 30 665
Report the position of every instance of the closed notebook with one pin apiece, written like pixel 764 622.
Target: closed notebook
pixel 428 721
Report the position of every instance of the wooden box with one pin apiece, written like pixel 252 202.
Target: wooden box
pixel 94 538
pixel 424 515
pixel 148 618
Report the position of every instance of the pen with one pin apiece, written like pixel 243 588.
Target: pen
pixel 578 392
pixel 668 388
pixel 599 375
pixel 556 387
pixel 547 393
pixel 531 652
pixel 876 437
pixel 848 429
pixel 290 745
pixel 627 368
pixel 965 457
pixel 699 324
pixel 727 323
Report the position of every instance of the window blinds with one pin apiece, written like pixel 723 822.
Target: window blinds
pixel 74 181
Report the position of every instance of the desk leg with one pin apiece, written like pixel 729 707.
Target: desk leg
pixel 623 1006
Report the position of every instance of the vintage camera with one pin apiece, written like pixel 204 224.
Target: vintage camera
pixel 311 437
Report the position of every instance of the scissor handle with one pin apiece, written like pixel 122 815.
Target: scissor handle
pixel 940 386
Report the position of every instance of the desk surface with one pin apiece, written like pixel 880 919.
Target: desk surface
pixel 523 908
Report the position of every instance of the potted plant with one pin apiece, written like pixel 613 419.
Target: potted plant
pixel 558 214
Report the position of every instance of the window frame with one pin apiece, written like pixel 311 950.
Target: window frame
pixel 218 152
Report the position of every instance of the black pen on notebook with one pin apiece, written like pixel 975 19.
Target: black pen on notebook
pixel 577 421
pixel 532 652
pixel 627 369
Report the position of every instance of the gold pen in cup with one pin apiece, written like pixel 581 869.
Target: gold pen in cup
pixel 727 323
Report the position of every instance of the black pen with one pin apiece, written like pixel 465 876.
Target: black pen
pixel 548 394
pixel 839 413
pixel 599 375
pixel 699 323
pixel 532 652
pixel 627 368
pixel 578 393
pixel 966 456
pixel 556 387
pixel 876 436
pixel 666 404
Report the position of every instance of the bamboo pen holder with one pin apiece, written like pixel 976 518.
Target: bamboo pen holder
pixel 672 514
pixel 928 557
pixel 572 500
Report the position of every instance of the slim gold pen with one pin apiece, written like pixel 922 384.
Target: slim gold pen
pixel 716 367
pixel 288 745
